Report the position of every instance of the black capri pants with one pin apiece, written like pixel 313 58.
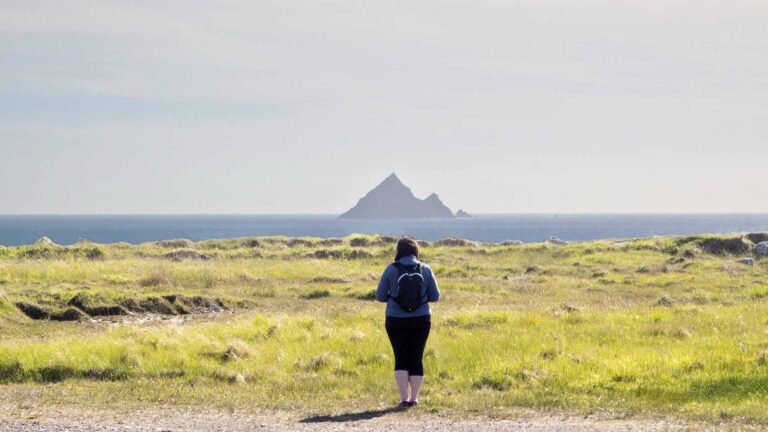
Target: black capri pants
pixel 408 337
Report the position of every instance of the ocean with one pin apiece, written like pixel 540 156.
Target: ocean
pixel 67 229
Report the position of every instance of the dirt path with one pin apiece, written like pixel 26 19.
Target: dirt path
pixel 384 420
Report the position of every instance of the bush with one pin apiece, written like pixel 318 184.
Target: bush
pixel 175 243
pixel 360 242
pixel 251 243
pixel 368 295
pixel 94 253
pixel 454 242
pixel 721 246
pixel 757 237
pixel 316 294
pixel 182 254
pixel 294 242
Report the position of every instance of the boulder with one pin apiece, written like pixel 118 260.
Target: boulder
pixel 761 249
pixel 555 240
pixel 511 243
pixel 45 241
pixel 746 261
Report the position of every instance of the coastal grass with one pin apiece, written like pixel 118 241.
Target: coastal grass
pixel 649 326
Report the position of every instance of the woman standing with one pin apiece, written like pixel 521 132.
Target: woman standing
pixel 408 286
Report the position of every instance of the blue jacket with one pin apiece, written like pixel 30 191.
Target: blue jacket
pixel 388 283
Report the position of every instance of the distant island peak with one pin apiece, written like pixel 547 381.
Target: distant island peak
pixel 391 199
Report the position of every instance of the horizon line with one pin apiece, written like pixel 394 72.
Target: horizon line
pixel 536 213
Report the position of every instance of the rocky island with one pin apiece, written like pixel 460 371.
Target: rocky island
pixel 391 199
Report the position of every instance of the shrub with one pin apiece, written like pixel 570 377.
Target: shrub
pixel 175 243
pixel 94 253
pixel 757 237
pixel 720 246
pixel 182 254
pixel 368 295
pixel 299 242
pixel 359 242
pixel 454 242
pixel 316 294
pixel 251 243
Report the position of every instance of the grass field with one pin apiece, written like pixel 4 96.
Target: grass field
pixel 671 326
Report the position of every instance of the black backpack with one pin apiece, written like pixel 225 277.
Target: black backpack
pixel 411 292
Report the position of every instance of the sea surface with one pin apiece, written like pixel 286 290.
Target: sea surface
pixel 67 229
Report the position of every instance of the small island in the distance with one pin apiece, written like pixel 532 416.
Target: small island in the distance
pixel 391 199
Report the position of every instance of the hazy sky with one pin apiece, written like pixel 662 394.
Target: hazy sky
pixel 302 106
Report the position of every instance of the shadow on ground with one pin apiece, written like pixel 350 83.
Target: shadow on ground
pixel 351 417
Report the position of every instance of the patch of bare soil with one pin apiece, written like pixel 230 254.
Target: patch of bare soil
pixel 388 419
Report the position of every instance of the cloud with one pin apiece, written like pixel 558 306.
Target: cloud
pixel 318 93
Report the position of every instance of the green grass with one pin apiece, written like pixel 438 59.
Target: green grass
pixel 646 326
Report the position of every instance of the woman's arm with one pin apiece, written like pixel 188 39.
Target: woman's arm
pixel 382 291
pixel 433 292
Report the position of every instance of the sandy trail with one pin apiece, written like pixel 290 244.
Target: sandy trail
pixel 383 420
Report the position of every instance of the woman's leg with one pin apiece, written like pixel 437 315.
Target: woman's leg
pixel 398 338
pixel 415 382
pixel 420 334
pixel 401 379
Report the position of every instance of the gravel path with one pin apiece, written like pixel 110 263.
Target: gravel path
pixel 385 420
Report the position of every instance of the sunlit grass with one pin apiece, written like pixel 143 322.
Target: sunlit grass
pixel 620 326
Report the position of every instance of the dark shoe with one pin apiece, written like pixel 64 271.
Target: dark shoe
pixel 404 404
pixel 413 403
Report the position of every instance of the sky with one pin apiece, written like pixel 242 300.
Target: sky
pixel 302 106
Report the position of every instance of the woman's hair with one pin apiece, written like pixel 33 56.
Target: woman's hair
pixel 406 246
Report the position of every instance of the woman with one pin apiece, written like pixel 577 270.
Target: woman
pixel 408 286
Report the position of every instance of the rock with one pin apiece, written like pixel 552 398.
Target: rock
pixel 555 240
pixel 511 243
pixel 761 249
pixel 462 214
pixel 746 261
pixel 45 241
pixel 454 242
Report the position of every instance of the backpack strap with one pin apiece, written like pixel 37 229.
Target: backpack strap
pixel 402 268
